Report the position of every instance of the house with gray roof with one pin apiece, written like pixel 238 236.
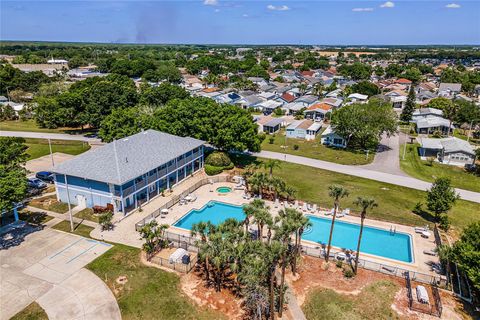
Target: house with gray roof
pixel 449 89
pixel 128 172
pixel 452 151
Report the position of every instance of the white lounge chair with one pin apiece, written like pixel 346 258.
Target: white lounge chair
pixel 276 203
pixel 304 208
pixel 295 205
pixel 193 197
pixel 314 208
pixel 346 211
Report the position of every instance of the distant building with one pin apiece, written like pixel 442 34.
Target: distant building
pixel 303 129
pixel 452 151
pixel 330 138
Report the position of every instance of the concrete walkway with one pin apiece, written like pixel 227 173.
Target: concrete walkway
pixel 358 171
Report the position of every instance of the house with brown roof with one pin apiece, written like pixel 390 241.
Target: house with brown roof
pixel 287 97
pixel 318 111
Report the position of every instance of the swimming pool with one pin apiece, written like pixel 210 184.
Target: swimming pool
pixel 214 211
pixel 375 241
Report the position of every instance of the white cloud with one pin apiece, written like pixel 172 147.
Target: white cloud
pixel 388 4
pixel 277 8
pixel 217 10
pixel 245 15
pixel 362 9
pixel 452 6
pixel 210 2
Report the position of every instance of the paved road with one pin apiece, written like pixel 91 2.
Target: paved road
pixel 358 171
pixel 41 135
pixel 387 158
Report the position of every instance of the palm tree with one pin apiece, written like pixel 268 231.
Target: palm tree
pixel 150 233
pixel 302 222
pixel 290 192
pixel 364 203
pixel 302 87
pixel 336 192
pixel 248 172
pixel 258 182
pixel 271 164
pixel 203 229
pixel 276 250
pixel 283 233
pixel 318 89
pixel 262 217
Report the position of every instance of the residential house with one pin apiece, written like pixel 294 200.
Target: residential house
pixel 307 100
pixel 317 112
pixel 293 107
pixel 452 151
pixel 449 90
pixel 426 113
pixel 334 102
pixel 330 138
pixel 430 125
pixel 287 97
pixel 269 124
pixel 268 106
pixel 303 129
pixel 249 101
pixel 358 98
pixel 398 98
pixel 129 172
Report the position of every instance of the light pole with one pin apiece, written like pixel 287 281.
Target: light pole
pixel 470 131
pixel 51 153
pixel 405 144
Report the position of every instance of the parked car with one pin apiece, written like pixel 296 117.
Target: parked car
pixel 36 183
pixel 46 176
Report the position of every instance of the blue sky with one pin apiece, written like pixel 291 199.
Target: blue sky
pixel 243 22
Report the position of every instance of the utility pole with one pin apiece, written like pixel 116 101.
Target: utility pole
pixel 405 144
pixel 470 131
pixel 51 153
pixel 69 205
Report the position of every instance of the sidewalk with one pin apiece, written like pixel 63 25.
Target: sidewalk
pixel 62 216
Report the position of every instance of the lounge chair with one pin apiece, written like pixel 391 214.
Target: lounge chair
pixel 421 229
pixel 277 203
pixel 341 256
pixel 295 205
pixel 346 211
pixel 304 208
pixel 314 208
pixel 309 207
pixel 193 197
pixel 430 252
pixel 340 215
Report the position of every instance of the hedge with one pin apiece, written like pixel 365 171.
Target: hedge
pixel 212 170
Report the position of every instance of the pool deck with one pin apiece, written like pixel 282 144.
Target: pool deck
pixel 125 233
pixel 208 193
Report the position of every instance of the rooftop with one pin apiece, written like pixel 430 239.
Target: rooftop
pixel 125 159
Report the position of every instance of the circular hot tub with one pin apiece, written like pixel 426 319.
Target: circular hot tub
pixel 224 190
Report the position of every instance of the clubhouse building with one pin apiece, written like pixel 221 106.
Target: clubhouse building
pixel 128 172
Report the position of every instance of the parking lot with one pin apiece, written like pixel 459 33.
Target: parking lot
pixel 45 163
pixel 46 266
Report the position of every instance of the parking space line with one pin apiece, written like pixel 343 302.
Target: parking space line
pixel 99 242
pixel 81 253
pixel 71 245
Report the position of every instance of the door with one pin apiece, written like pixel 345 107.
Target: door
pixel 82 201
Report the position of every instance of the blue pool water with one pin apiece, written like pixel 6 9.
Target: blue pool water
pixel 214 211
pixel 375 241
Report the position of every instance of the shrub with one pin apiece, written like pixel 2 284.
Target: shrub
pixel 229 167
pixel 105 220
pixel 271 140
pixel 339 264
pixel 430 161
pixel 295 147
pixel 444 223
pixel 218 159
pixel 348 273
pixel 212 170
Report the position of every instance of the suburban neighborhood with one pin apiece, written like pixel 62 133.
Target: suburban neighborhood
pixel 148 180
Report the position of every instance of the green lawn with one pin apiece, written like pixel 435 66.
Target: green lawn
pixel 149 293
pixel 32 312
pixel 415 167
pixel 49 203
pixel 87 214
pixel 459 134
pixel 314 149
pixel 39 147
pixel 31 126
pixel 395 202
pixel 79 229
pixel 374 302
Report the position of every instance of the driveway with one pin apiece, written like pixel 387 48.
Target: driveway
pixel 47 266
pixel 387 157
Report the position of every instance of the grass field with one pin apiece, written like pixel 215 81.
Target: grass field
pixel 374 302
pixel 50 203
pixel 87 214
pixel 415 167
pixel 39 147
pixel 32 312
pixel 395 203
pixel 80 229
pixel 314 149
pixel 31 126
pixel 34 217
pixel 149 293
